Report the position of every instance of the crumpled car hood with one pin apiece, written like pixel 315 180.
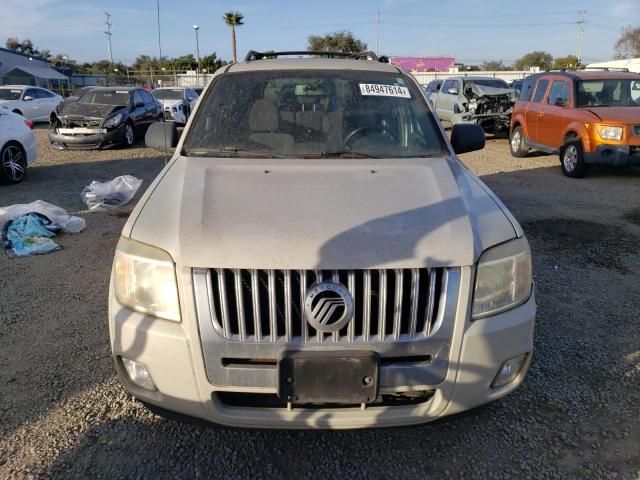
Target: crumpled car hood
pixel 319 214
pixel 484 91
pixel 90 110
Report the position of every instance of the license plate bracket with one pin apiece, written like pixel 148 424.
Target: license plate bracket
pixel 339 377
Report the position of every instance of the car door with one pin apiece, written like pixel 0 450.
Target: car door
pixel 535 110
pixel 552 121
pixel 151 109
pixel 138 109
pixel 29 105
pixel 446 99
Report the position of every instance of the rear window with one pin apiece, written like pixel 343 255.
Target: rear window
pixel 314 113
pixel 541 88
pixel 168 94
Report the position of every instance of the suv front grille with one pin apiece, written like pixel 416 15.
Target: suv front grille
pixel 267 306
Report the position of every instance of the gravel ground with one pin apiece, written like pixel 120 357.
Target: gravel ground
pixel 64 415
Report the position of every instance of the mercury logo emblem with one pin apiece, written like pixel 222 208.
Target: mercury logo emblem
pixel 328 306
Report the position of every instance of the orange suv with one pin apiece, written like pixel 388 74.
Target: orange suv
pixel 587 117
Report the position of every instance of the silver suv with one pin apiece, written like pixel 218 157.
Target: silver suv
pixel 314 255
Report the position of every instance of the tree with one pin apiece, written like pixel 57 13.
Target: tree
pixel 628 45
pixel 233 19
pixel 570 61
pixel 493 66
pixel 540 59
pixel 341 41
pixel 211 63
pixel 12 43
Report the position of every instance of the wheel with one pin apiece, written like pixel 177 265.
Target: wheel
pixel 13 166
pixel 572 159
pixel 129 135
pixel 516 143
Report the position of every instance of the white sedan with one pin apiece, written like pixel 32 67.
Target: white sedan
pixel 34 103
pixel 18 147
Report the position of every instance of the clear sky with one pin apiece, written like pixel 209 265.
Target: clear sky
pixel 469 30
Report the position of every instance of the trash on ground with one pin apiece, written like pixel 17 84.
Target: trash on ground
pixel 59 216
pixel 100 196
pixel 30 234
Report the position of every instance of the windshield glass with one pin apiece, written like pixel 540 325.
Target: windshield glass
pixel 106 97
pixel 314 113
pixel 168 94
pixel 10 94
pixel 609 93
pixel 497 83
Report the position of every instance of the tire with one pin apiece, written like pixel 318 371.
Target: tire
pixel 129 135
pixel 572 159
pixel 516 143
pixel 13 163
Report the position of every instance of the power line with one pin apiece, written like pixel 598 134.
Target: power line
pixel 479 25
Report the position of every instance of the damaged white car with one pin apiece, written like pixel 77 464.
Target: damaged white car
pixel 177 103
pixel 486 101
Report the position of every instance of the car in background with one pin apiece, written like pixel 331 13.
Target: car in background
pixel 18 147
pixel 587 117
pixel 104 117
pixel 198 90
pixel 486 101
pixel 177 102
pixel 34 103
pixel 516 86
pixel 432 87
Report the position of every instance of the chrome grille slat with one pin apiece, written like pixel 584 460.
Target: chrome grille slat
pixel 267 306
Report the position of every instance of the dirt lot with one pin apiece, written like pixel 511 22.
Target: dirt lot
pixel 64 415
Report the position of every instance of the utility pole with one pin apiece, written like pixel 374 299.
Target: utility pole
pixel 580 35
pixel 377 32
pixel 108 34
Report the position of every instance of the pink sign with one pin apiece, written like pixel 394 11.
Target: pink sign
pixel 424 64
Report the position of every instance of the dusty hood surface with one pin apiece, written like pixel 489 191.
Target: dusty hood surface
pixel 328 214
pixel 91 110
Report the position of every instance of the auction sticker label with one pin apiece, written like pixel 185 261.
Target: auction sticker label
pixel 384 90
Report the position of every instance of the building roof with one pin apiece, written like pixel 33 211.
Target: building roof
pixel 39 72
pixel 27 55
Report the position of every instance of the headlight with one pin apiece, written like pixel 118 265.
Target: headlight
pixel 609 133
pixel 503 278
pixel 113 121
pixel 144 279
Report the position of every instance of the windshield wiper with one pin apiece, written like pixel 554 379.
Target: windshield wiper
pixel 344 154
pixel 205 152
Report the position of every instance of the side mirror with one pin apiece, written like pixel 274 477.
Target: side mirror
pixel 27 98
pixel 467 137
pixel 452 91
pixel 560 102
pixel 162 136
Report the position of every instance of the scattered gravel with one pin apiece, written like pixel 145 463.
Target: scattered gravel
pixel 64 415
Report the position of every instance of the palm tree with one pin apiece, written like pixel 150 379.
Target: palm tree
pixel 233 19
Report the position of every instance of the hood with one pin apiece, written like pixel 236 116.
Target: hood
pixel 627 115
pixel 482 90
pixel 91 110
pixel 319 214
pixel 170 103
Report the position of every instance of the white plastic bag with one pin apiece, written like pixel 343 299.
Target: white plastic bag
pixel 68 223
pixel 100 196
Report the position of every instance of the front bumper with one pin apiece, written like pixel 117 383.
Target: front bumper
pixel 83 141
pixel 614 155
pixel 174 356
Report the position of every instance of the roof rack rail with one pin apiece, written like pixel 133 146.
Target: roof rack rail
pixel 253 55
pixel 582 69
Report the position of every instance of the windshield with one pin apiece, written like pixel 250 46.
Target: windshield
pixel 497 83
pixel 168 94
pixel 311 114
pixel 609 93
pixel 10 94
pixel 106 97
